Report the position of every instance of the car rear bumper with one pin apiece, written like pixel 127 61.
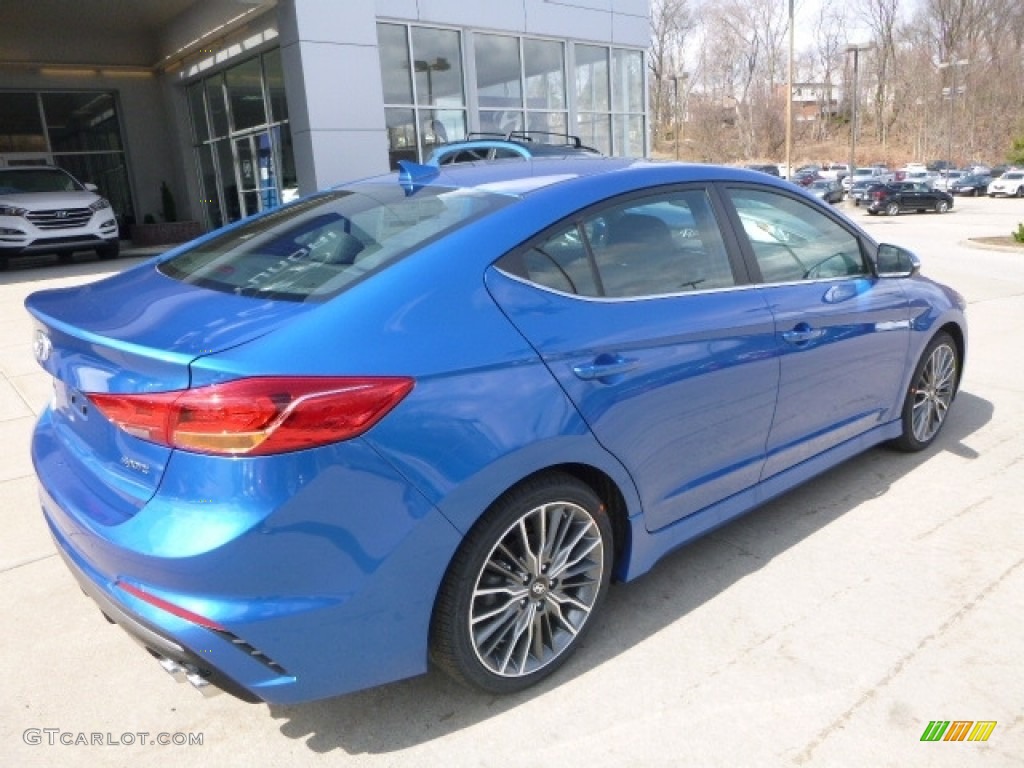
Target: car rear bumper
pixel 328 592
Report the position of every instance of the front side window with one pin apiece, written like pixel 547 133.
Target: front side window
pixel 791 241
pixel 654 246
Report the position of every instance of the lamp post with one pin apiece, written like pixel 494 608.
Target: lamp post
pixel 855 49
pixel 951 93
pixel 789 99
pixel 678 122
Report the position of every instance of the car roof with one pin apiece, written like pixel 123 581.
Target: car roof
pixel 520 177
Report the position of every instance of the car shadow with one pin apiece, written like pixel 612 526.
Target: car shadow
pixel 31 269
pixel 415 711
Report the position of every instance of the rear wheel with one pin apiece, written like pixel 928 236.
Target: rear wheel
pixel 892 209
pixel 931 392
pixel 522 588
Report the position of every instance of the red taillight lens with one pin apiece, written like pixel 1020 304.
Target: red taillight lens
pixel 257 416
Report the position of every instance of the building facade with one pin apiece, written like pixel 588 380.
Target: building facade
pixel 230 107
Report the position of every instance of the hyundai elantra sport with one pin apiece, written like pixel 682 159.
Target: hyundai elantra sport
pixel 430 417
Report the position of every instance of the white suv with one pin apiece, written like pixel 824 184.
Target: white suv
pixel 44 209
pixel 1010 183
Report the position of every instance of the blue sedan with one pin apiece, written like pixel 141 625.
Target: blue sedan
pixel 429 417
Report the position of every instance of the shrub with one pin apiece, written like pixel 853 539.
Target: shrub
pixel 1019 234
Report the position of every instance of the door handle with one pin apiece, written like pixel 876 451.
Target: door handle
pixel 803 334
pixel 605 367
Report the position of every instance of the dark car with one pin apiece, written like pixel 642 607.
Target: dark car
pixel 971 186
pixel 429 417
pixel 769 168
pixel 861 190
pixel 829 190
pixel 890 199
pixel 517 144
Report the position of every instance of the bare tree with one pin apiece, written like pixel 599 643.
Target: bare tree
pixel 671 22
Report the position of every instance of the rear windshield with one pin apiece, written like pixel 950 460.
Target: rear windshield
pixel 315 248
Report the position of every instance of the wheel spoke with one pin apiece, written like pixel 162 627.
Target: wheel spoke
pixel 536 589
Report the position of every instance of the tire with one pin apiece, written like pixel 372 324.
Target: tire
pixel 931 392
pixel 892 209
pixel 111 251
pixel 872 213
pixel 521 590
pixel 941 207
pixel 1020 191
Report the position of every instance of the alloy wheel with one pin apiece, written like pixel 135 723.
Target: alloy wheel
pixel 933 392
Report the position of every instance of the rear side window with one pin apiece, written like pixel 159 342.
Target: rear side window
pixel 315 248
pixel 653 246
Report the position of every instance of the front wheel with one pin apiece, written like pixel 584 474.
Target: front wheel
pixel 941 207
pixel 892 209
pixel 931 392
pixel 523 586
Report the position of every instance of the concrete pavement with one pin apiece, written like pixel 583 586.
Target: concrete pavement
pixel 827 628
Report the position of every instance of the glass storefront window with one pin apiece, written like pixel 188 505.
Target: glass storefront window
pixel 591 78
pixel 395 70
pixel 245 93
pixel 437 64
pixel 217 107
pixel 545 74
pixel 21 125
pixel 244 154
pixel 498 72
pixel 81 121
pixel 197 108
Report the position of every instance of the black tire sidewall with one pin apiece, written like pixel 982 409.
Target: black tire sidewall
pixel 906 441
pixel 451 644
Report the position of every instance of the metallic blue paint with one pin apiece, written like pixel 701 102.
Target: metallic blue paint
pixel 695 407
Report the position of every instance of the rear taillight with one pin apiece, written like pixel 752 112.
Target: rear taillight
pixel 256 416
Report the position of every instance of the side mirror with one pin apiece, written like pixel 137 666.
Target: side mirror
pixel 893 261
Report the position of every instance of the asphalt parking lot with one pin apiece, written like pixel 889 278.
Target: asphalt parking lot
pixel 828 628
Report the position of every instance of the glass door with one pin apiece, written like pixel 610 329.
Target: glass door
pixel 257 172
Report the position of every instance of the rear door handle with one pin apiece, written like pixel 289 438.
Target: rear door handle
pixel 605 367
pixel 803 334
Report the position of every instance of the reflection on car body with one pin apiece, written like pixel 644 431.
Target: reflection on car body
pixel 429 417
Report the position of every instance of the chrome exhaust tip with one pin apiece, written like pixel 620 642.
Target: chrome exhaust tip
pixel 188 673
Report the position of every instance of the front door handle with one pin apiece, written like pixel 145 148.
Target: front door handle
pixel 605 367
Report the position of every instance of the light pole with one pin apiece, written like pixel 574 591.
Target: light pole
pixel 789 99
pixel 678 123
pixel 855 49
pixel 951 93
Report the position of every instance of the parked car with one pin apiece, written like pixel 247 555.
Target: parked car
pixel 875 174
pixel 919 175
pixel 861 191
pixel 945 179
pixel 770 168
pixel 829 190
pixel 518 145
pixel 970 185
pixel 44 209
pixel 432 415
pixel 908 196
pixel 1010 183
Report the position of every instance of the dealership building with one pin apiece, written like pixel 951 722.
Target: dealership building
pixel 228 107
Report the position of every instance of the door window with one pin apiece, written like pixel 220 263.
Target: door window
pixel 653 246
pixel 792 241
